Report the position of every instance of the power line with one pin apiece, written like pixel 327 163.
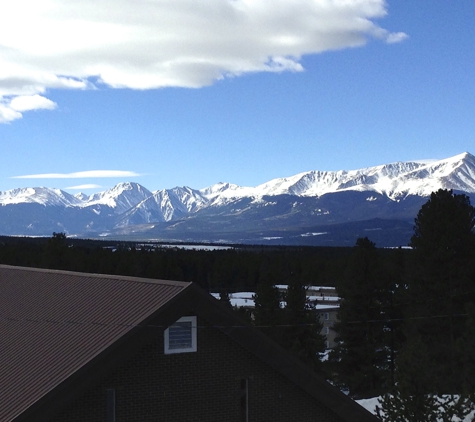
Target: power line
pixel 95 323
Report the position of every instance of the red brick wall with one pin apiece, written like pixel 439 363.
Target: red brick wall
pixel 202 386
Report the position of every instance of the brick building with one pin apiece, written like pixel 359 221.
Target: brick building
pixel 328 316
pixel 83 347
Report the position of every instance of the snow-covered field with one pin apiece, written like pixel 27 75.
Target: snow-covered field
pixel 369 404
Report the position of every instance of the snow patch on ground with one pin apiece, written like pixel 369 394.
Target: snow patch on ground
pixel 370 406
pixel 313 234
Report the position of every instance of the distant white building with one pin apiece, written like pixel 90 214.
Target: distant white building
pixel 323 298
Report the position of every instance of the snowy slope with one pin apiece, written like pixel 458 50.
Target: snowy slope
pixel 396 180
pixel 81 196
pixel 42 196
pixel 164 205
pixel 121 197
pixel 191 199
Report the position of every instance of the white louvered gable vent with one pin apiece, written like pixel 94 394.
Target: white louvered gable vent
pixel 181 336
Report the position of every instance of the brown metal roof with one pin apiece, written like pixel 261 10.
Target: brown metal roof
pixel 54 322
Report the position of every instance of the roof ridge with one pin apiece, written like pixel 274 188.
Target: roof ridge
pixel 132 279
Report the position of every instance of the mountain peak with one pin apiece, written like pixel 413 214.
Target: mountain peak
pixel 81 196
pixel 465 157
pixel 40 195
pixel 122 196
pixel 218 188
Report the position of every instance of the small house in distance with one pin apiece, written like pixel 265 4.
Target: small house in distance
pixel 327 304
pixel 325 300
pixel 328 316
pixel 85 347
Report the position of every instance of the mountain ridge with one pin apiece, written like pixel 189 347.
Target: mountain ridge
pixel 307 199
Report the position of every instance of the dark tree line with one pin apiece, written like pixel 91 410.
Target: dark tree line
pixel 236 269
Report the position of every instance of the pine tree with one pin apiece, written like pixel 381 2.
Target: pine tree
pixel 435 369
pixel 267 309
pixel 465 349
pixel 224 298
pixel 302 327
pixel 444 226
pixel 362 356
pixel 410 400
pixel 441 282
pixel 55 252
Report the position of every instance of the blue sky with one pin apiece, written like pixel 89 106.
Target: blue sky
pixel 168 93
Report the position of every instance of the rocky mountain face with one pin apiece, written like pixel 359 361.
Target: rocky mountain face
pixel 314 208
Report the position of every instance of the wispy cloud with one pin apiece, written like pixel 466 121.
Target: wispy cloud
pixel 80 175
pixel 396 37
pixel 84 187
pixel 169 43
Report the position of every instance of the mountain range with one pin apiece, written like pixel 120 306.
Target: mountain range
pixel 331 208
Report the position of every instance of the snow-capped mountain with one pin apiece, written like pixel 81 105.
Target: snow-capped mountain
pixel 309 202
pixel 395 180
pixel 164 205
pixel 81 196
pixel 42 196
pixel 121 197
pixel 193 200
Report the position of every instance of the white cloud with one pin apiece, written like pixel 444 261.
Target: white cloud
pixel 84 187
pixel 31 102
pixel 396 37
pixel 146 44
pixel 80 175
pixel 7 114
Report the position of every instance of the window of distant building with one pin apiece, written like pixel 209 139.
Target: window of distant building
pixel 181 336
pixel 327 330
pixel 326 316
